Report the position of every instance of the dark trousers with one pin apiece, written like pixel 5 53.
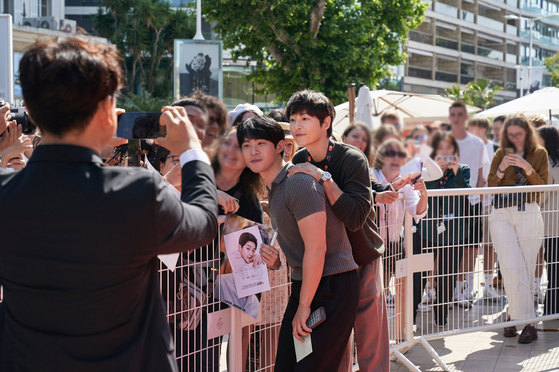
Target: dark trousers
pixel 339 295
pixel 447 270
pixel 551 256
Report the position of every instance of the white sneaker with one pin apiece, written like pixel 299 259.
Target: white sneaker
pixel 539 297
pixel 490 292
pixel 463 300
pixel 467 294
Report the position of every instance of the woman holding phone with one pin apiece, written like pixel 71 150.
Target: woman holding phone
pixel 516 222
pixel 443 230
pixel 386 169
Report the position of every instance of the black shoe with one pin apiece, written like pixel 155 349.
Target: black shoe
pixel 529 334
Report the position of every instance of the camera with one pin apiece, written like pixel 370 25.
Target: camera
pixel 19 114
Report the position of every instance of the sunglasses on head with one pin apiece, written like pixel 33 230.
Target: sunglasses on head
pixel 391 153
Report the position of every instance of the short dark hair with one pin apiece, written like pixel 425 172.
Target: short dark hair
pixel 215 104
pixel 501 118
pixel 550 137
pixel 458 104
pixel 247 237
pixel 314 104
pixel 279 115
pixel 480 122
pixel 189 101
pixel 260 127
pixel 444 136
pixel 64 79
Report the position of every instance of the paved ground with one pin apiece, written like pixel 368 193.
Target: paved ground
pixel 490 352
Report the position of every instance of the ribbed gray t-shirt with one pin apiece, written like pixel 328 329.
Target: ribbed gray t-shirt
pixel 290 200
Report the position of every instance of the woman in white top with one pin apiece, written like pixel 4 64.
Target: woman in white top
pixel 386 169
pixel 548 137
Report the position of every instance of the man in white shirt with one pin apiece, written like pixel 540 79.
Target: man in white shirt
pixel 474 155
pixel 479 127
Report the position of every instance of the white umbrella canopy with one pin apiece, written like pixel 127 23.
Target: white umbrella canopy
pixel 364 107
pixel 408 105
pixel 538 103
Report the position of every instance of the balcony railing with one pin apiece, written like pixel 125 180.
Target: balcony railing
pixel 447 10
pixel 421 37
pixel 446 43
pixel 467 16
pixel 526 61
pixel 464 79
pixel 512 30
pixel 510 87
pixel 445 76
pixel 419 72
pixel 510 58
pixel 491 23
pixel 468 48
pixel 490 53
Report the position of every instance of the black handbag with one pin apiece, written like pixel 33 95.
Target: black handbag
pixel 513 198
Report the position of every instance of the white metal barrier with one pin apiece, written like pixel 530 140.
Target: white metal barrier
pixel 525 238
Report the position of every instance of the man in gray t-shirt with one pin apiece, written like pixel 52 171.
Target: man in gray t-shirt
pixel 316 246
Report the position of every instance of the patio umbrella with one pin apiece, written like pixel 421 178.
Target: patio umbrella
pixel 364 107
pixel 542 102
pixel 410 106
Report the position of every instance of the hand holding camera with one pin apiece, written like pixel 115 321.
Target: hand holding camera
pixel 181 135
pixel 11 135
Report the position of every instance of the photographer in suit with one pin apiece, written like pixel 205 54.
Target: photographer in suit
pixel 80 270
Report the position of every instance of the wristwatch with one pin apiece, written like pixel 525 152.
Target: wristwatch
pixel 325 177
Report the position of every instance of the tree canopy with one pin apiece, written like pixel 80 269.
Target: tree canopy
pixel 552 64
pixel 144 31
pixel 480 93
pixel 316 44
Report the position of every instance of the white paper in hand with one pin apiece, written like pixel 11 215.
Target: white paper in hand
pixel 302 349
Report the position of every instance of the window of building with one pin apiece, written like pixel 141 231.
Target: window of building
pixel 46 8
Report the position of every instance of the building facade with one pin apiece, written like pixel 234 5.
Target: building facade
pixel 465 40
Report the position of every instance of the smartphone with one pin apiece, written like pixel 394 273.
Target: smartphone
pixel 449 159
pixel 509 151
pixel 318 316
pixel 140 125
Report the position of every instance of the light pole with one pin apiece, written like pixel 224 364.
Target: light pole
pixel 531 20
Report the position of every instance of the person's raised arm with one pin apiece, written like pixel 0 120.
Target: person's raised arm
pixel 186 225
pixel 313 232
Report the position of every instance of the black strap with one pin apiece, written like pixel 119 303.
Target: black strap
pixel 328 154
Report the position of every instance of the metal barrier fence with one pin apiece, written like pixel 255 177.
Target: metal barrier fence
pixel 434 257
pixel 458 251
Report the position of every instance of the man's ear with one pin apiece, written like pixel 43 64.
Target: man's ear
pixel 280 146
pixel 327 122
pixel 105 110
pixel 240 248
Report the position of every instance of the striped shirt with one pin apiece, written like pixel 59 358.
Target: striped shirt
pixel 290 200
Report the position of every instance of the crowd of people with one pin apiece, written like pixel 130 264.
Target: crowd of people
pixel 83 280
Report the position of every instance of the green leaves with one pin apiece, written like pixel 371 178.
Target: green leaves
pixel 144 32
pixel 480 94
pixel 552 64
pixel 299 47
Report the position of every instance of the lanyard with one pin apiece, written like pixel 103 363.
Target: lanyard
pixel 328 154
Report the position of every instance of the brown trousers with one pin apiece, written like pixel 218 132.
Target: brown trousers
pixel 371 323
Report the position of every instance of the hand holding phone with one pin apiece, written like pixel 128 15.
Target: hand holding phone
pixel 317 317
pixel 180 134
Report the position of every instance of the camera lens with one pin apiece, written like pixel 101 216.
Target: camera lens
pixel 27 127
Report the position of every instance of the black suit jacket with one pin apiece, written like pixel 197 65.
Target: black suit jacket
pixel 78 260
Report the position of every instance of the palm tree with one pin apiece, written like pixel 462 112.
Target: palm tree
pixel 482 93
pixel 161 15
pixel 457 93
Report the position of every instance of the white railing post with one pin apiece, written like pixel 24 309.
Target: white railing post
pixel 408 309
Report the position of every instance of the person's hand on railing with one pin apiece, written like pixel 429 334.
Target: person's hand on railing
pixel 386 197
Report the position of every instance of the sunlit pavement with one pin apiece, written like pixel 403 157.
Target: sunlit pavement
pixel 490 352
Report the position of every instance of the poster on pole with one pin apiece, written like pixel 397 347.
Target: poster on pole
pixel 523 77
pixel 6 59
pixel 198 65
